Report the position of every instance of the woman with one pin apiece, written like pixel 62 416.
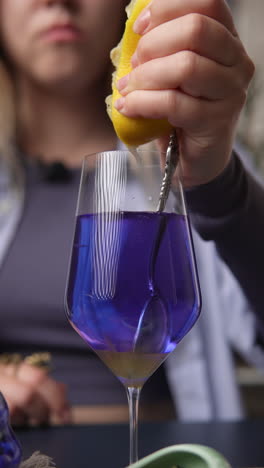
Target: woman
pixel 56 53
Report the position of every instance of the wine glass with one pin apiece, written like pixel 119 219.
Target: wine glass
pixel 132 290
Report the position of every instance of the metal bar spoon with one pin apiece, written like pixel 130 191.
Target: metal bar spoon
pixel 154 314
pixel 172 159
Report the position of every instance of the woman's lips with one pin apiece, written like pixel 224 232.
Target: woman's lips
pixel 62 33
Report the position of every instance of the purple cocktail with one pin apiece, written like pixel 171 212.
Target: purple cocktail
pixel 132 291
pixel 136 317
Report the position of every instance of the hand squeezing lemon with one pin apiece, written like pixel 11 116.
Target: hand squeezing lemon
pixel 131 131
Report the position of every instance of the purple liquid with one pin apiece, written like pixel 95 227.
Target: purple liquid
pixel 132 294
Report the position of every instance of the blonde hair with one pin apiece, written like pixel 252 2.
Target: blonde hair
pixel 7 112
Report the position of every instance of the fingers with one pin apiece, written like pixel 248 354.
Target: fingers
pixel 33 396
pixel 162 12
pixel 54 394
pixel 199 58
pixel 30 374
pixel 192 73
pixel 194 53
pixel 193 32
pixel 35 408
pixel 181 110
pixel 25 405
pixel 191 69
pixel 50 396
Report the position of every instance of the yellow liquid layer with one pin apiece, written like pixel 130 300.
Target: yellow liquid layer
pixel 132 368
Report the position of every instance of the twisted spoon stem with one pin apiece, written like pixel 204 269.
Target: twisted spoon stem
pixel 172 158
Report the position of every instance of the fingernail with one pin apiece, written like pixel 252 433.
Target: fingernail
pixel 142 22
pixel 122 83
pixel 119 104
pixel 134 60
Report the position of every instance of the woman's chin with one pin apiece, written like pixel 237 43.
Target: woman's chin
pixel 58 70
pixel 60 79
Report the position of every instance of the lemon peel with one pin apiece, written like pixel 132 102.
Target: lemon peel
pixel 131 131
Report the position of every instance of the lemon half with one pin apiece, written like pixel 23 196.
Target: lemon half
pixel 131 131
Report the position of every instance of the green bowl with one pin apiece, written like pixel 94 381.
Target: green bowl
pixel 183 456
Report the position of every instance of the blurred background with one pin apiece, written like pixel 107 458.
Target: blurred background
pixel 249 16
pixel 249 20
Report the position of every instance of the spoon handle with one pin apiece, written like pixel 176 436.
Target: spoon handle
pixel 172 158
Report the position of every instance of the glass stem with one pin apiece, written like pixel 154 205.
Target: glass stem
pixel 133 394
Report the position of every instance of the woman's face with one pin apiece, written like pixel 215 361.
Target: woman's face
pixel 60 42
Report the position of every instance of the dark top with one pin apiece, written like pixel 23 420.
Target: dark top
pixel 230 211
pixel 33 279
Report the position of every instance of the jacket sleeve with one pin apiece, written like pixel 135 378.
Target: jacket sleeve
pixel 230 211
